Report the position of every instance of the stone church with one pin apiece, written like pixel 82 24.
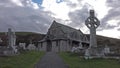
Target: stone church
pixel 62 38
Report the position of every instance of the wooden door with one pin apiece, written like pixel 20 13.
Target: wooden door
pixel 49 45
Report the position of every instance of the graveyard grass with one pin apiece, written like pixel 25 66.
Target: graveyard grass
pixel 25 60
pixel 74 61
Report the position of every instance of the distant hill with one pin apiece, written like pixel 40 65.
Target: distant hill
pixel 27 33
pixel 21 33
pixel 24 37
pixel 28 37
pixel 108 40
pixel 113 43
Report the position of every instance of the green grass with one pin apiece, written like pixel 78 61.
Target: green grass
pixel 25 60
pixel 79 62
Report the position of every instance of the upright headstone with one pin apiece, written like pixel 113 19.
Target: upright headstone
pixel 1 40
pixel 11 48
pixel 22 45
pixel 106 49
pixel 12 40
pixel 92 23
pixel 31 47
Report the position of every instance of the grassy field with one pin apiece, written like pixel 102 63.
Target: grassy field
pixel 24 60
pixel 78 62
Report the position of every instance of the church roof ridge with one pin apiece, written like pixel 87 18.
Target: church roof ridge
pixel 65 27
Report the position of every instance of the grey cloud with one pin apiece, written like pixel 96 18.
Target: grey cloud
pixel 6 3
pixel 79 0
pixel 113 14
pixel 106 26
pixel 113 3
pixel 70 4
pixel 73 5
pixel 118 26
pixel 118 29
pixel 24 19
pixel 110 26
pixel 78 17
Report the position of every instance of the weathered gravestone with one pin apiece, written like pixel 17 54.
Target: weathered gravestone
pixel 92 23
pixel 10 49
pixel 1 40
pixel 22 45
pixel 31 47
pixel 106 49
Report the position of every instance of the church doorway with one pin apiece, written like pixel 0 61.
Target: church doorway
pixel 49 45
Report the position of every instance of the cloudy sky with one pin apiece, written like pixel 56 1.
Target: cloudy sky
pixel 37 15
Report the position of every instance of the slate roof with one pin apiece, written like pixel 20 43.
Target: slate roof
pixel 69 32
pixel 65 28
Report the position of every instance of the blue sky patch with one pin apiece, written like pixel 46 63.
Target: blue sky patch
pixel 59 1
pixel 38 1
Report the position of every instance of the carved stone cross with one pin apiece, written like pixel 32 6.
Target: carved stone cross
pixel 92 23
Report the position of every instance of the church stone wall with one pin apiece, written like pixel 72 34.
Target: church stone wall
pixel 63 45
pixel 42 47
pixel 54 47
pixel 68 47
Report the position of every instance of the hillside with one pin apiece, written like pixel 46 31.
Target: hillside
pixel 23 37
pixel 113 43
pixel 103 41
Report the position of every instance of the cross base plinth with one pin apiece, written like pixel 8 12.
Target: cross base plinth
pixel 94 52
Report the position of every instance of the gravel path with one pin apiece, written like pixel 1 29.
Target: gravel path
pixel 51 60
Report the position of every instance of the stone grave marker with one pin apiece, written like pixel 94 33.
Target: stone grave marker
pixel 92 23
pixel 31 47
